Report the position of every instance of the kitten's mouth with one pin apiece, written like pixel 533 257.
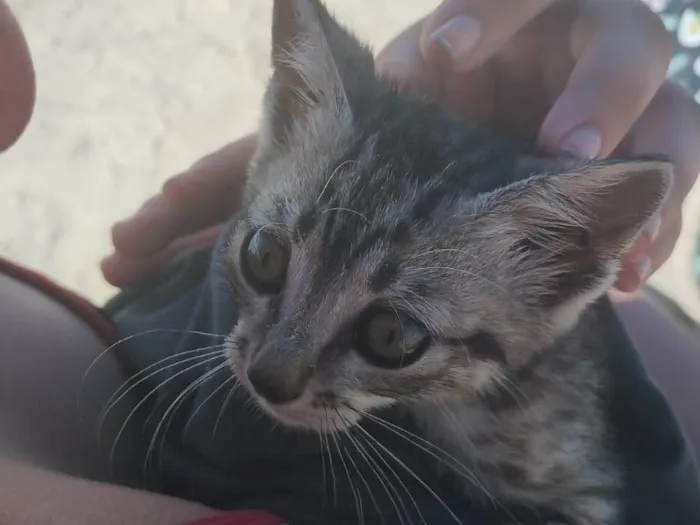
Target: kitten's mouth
pixel 321 420
pixel 305 412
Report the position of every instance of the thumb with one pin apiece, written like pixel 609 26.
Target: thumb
pixel 462 34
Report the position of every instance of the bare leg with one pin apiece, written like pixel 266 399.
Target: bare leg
pixel 32 496
pixel 671 355
pixel 44 353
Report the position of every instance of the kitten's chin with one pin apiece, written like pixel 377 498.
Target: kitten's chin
pixel 319 420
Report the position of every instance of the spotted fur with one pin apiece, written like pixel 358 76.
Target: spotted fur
pixel 384 197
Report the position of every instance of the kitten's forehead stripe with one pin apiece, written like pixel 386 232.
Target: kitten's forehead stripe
pixel 306 223
pixel 368 241
pixel 385 275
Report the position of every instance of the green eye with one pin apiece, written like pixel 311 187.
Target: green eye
pixel 264 262
pixel 391 340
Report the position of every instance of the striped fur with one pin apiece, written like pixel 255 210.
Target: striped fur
pixel 385 198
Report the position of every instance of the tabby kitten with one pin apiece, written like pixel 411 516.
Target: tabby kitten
pixel 392 254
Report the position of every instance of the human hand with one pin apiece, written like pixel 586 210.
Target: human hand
pixel 189 212
pixel 17 86
pixel 579 77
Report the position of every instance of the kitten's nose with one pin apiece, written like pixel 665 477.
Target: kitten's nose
pixel 276 387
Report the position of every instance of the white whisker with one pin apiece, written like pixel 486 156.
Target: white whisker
pixel 411 473
pixel 129 338
pixel 179 399
pixel 349 211
pixel 148 395
pixel 229 396
pixel 335 172
pixel 356 497
pixel 119 394
pixel 471 274
pixel 218 389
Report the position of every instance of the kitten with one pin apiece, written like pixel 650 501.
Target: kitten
pixel 392 254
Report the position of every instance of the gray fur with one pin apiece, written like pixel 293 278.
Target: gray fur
pixel 384 197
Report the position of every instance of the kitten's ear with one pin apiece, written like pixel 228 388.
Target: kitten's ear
pixel 572 227
pixel 315 61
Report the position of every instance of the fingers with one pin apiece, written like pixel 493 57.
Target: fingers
pixel 188 213
pixel 121 270
pixel 621 51
pixel 669 126
pixel 17 84
pixel 636 265
pixel 402 61
pixel 205 195
pixel 649 255
pixel 461 34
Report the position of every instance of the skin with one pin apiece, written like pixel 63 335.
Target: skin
pixel 542 72
pixel 42 433
pixel 601 65
pixel 649 119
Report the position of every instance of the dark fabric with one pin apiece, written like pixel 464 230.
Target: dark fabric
pixel 219 450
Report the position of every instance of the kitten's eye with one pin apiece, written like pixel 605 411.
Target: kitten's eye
pixel 391 340
pixel 264 261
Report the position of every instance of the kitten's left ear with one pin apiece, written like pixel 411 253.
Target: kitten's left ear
pixel 316 61
pixel 570 228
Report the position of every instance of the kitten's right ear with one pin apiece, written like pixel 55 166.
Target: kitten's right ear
pixel 567 228
pixel 316 62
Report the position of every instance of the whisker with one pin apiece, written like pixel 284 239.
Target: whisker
pixel 411 473
pixel 349 211
pixel 175 407
pixel 359 472
pixel 512 388
pixel 148 395
pixel 472 274
pixel 156 406
pixel 358 500
pixel 398 478
pixel 330 460
pixel 353 441
pixel 335 172
pixel 206 400
pixel 427 447
pixel 452 418
pixel 398 318
pixel 129 338
pixel 179 399
pixel 224 405
pixel 112 402
pixel 323 469
pixel 446 250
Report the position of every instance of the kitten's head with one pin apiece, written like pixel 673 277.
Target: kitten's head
pixel 391 252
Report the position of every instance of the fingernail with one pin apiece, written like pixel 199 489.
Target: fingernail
pixel 653 227
pixel 583 142
pixel 458 37
pixel 644 268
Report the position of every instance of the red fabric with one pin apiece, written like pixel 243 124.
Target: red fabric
pixel 82 308
pixel 250 517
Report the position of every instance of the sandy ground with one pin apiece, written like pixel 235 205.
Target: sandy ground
pixel 132 92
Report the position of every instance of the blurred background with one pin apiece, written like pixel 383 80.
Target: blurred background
pixel 130 93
